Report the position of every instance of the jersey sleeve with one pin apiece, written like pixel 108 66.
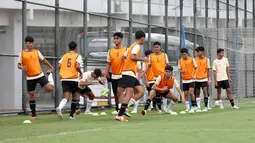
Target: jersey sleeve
pixel 136 49
pixel 208 63
pixel 158 80
pixel 194 62
pixel 108 56
pixel 176 84
pixel 179 65
pixel 144 66
pixel 20 58
pixel 60 61
pixel 167 61
pixel 79 59
pixel 149 62
pixel 41 57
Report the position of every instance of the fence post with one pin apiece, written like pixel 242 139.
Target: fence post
pixel 109 20
pixel 149 26
pixel 24 34
pixel 166 26
pixel 130 23
pixel 85 42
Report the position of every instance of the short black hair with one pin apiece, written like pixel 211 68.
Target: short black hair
pixel 29 39
pixel 200 49
pixel 148 52
pixel 156 43
pixel 139 34
pixel 97 72
pixel 72 45
pixel 118 34
pixel 220 50
pixel 184 50
pixel 169 68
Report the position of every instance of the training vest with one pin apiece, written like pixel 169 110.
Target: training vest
pixel 158 63
pixel 115 58
pixel 129 64
pixel 68 66
pixel 188 66
pixel 30 59
pixel 169 83
pixel 202 68
pixel 149 74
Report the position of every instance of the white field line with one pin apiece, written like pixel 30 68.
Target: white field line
pixel 97 129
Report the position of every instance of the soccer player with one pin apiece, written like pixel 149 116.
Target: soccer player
pixel 87 79
pixel 69 73
pixel 222 78
pixel 129 82
pixel 115 63
pixel 158 61
pixel 29 62
pixel 188 68
pixel 202 76
pixel 162 87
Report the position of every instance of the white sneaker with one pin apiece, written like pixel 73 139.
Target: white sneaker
pixel 59 113
pixel 88 113
pixel 205 110
pixel 174 113
pixel 191 111
pixel 114 112
pixel 71 118
pixel 187 110
pixel 134 112
pixel 221 107
pixel 209 108
pixel 198 110
pixel 235 107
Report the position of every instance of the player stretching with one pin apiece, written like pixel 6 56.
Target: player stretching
pixel 162 87
pixel 87 79
pixel 129 82
pixel 158 61
pixel 29 61
pixel 69 68
pixel 222 78
pixel 202 77
pixel 115 63
pixel 188 68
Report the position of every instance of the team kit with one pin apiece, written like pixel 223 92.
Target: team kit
pixel 125 69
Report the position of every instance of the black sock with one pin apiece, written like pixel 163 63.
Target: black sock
pixel 159 105
pixel 193 103
pixel 73 107
pixel 206 101
pixel 154 103
pixel 147 104
pixel 77 105
pixel 117 108
pixel 232 102
pixel 32 107
pixel 122 109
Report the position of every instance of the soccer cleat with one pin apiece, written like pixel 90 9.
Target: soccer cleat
pixel 173 113
pixel 187 110
pixel 77 112
pixel 71 118
pixel 88 113
pixel 183 112
pixel 105 92
pixel 59 113
pixel 209 108
pixel 159 112
pixel 221 107
pixel 205 110
pixel 191 111
pixel 143 112
pixel 134 112
pixel 235 107
pixel 126 113
pixel 114 112
pixel 198 110
pixel 33 118
pixel 121 118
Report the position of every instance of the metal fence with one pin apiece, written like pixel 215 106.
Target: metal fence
pixel 60 24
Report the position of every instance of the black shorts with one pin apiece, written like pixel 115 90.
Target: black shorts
pixel 115 83
pixel 162 94
pixel 199 85
pixel 85 90
pixel 31 84
pixel 223 84
pixel 150 86
pixel 70 86
pixel 128 81
pixel 187 86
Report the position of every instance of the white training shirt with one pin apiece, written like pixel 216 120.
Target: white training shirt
pixel 220 66
pixel 41 57
pixel 87 77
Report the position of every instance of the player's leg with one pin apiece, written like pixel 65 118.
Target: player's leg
pixel 48 84
pixel 157 100
pixel 185 87
pixel 148 101
pixel 116 97
pixel 174 100
pixel 208 95
pixel 205 90
pixel 90 99
pixel 229 94
pixel 197 92
pixel 193 98
pixel 220 85
pixel 75 97
pixel 66 92
pixel 31 84
pixel 164 103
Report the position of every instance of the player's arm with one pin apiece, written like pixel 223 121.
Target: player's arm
pixel 179 67
pixel 134 52
pixel 155 85
pixel 177 87
pixel 195 66
pixel 20 65
pixel 86 83
pixel 227 70
pixel 78 65
pixel 45 62
pixel 215 73
pixel 166 59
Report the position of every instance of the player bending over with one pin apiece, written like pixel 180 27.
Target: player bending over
pixel 222 78
pixel 129 82
pixel 188 68
pixel 69 68
pixel 29 62
pixel 162 87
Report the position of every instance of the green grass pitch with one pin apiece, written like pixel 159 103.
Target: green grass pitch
pixel 215 126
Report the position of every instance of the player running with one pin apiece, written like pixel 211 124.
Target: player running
pixel 188 68
pixel 202 77
pixel 162 87
pixel 29 62
pixel 129 82
pixel 157 62
pixel 222 78
pixel 69 73
pixel 115 63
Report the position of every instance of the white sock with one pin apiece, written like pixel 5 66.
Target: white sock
pixel 136 105
pixel 62 104
pixel 89 104
pixel 131 102
pixel 151 105
pixel 164 103
pixel 220 102
pixel 198 102
pixel 208 102
pixel 119 105
pixel 187 105
pixel 50 79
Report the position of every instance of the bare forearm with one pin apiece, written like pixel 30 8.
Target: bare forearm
pixel 215 76
pixel 228 73
pixel 107 69
pixel 208 74
pixel 20 66
pixel 47 63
